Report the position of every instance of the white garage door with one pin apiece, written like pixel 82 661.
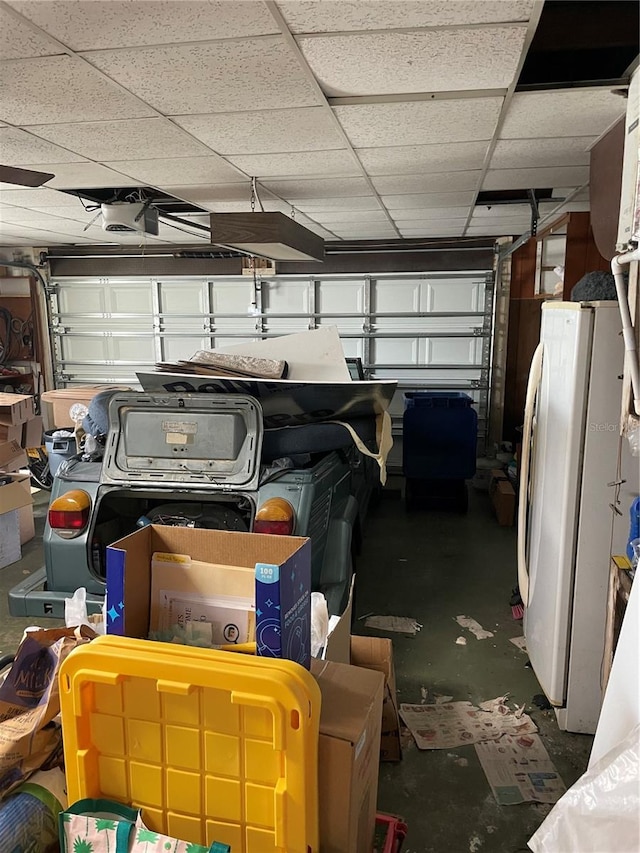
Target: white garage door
pixel 428 330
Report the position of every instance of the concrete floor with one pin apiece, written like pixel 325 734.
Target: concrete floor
pixel 432 567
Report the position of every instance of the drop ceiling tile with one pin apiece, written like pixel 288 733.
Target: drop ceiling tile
pixel 507 179
pixel 38 237
pixel 420 122
pixel 332 206
pixel 299 164
pixel 431 213
pixel 129 139
pixel 76 211
pixel 417 61
pixel 228 76
pixel 24 216
pixel 493 231
pixel 513 225
pixel 265 131
pixel 416 224
pixel 309 16
pixel 409 159
pixel 427 200
pixel 18 40
pixel 367 234
pixel 179 170
pixel 76 175
pixel 37 197
pixel 432 230
pixel 18 147
pixel 342 217
pixel 571 112
pixel 429 183
pixel 85 26
pixel 236 197
pixel 319 188
pixel 565 151
pixel 501 211
pixel 55 88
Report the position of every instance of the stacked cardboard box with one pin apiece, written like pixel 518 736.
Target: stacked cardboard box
pixel 20 428
pixel 503 497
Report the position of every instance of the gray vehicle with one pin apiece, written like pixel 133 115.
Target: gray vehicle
pixel 201 460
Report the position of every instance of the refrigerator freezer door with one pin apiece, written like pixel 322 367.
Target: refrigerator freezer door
pixel 556 461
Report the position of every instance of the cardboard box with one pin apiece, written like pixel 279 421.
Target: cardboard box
pixel 282 567
pixel 11 432
pixel 377 653
pixel 12 456
pixel 32 432
pixel 348 752
pixel 17 496
pixel 10 551
pixel 15 408
pixel 58 403
pixel 503 498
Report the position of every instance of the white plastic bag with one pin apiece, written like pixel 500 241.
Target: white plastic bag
pixel 601 811
pixel 75 612
pixel 319 623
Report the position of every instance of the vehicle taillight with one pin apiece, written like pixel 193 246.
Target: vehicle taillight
pixel 275 516
pixel 69 514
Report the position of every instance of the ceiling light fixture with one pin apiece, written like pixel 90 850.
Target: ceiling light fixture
pixel 267 235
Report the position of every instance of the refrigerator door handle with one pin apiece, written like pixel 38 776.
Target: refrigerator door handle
pixel 535 376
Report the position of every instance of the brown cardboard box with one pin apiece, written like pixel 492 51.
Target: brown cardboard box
pixel 11 432
pixel 17 496
pixel 15 408
pixel 503 498
pixel 338 645
pixel 57 404
pixel 377 653
pixel 32 432
pixel 12 456
pixel 348 755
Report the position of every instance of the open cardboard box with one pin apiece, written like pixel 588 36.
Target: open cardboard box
pixel 376 653
pixel 16 518
pixel 281 567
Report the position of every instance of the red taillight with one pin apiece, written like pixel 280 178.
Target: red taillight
pixel 276 517
pixel 69 514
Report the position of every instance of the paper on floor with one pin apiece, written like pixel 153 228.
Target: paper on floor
pixel 458 723
pixel 475 627
pixel 519 770
pixel 520 643
pixel 398 624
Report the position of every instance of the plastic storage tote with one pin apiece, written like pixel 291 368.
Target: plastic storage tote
pixel 440 435
pixel 210 745
pixel 58 449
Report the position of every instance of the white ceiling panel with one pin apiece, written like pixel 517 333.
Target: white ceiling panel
pixel 418 61
pixel 511 179
pixel 564 151
pixel 18 147
pixel 209 194
pixel 420 122
pixel 37 198
pixel 431 213
pixel 60 88
pixel 18 40
pixel 319 188
pixel 572 112
pixel 76 175
pixel 366 233
pixel 432 229
pixel 265 131
pixel 409 159
pixel 24 215
pixel 298 164
pixel 342 217
pixel 227 76
pixel 130 139
pixel 493 231
pixel 89 25
pixel 506 211
pixel 427 200
pixel 429 183
pixel 309 16
pixel 512 225
pixel 416 224
pixel 179 170
pixel 331 206
pixel 38 237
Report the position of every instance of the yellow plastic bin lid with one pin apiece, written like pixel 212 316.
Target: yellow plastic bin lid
pixel 212 746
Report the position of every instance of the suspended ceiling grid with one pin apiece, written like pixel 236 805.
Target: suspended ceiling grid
pixel 372 119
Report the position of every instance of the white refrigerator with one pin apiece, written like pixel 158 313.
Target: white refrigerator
pixel 569 462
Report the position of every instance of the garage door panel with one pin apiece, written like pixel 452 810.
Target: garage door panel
pixel 131 299
pixel 84 299
pixel 231 297
pixel 392 295
pixel 182 347
pixel 345 296
pixel 456 295
pixel 182 297
pixel 451 351
pixel 395 351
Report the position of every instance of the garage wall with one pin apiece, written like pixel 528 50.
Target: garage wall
pixel 428 330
